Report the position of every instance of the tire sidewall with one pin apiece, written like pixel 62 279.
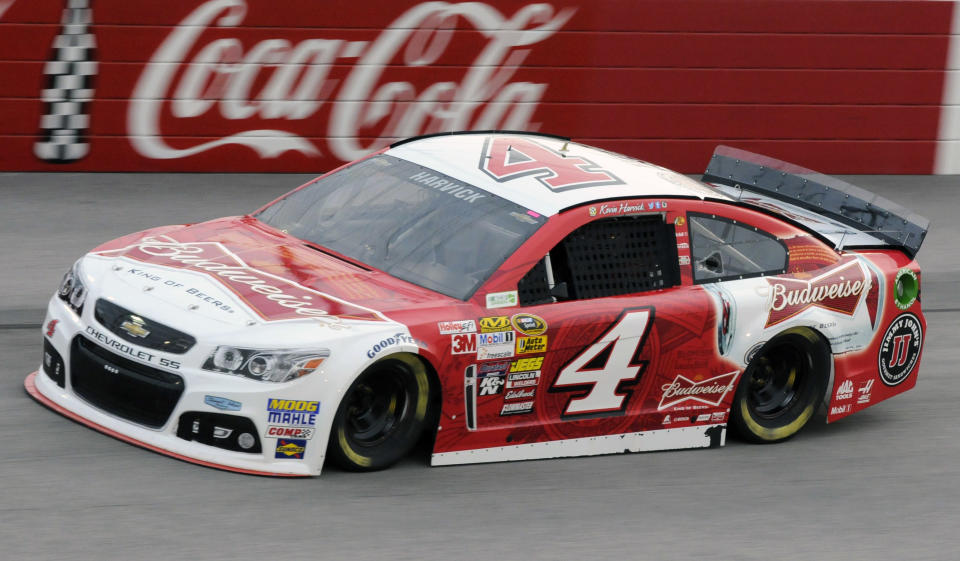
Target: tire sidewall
pixel 754 428
pixel 355 456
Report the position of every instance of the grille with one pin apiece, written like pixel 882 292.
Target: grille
pixel 158 336
pixel 120 386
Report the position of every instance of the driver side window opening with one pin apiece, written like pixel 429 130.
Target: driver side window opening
pixel 724 249
pixel 606 257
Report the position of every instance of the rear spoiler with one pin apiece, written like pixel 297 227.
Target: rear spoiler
pixel 855 213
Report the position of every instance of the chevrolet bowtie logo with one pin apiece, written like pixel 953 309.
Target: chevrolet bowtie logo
pixel 135 327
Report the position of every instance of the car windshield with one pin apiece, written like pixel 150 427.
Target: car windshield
pixel 407 220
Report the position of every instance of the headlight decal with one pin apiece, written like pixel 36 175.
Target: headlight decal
pixel 265 365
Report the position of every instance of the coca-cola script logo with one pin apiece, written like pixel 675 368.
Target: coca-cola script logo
pixel 222 74
pixel 507 158
pixel 708 392
pixel 270 296
pixel 837 290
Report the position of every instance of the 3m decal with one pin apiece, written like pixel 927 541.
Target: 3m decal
pixel 464 343
pixel 497 323
pixel 290 449
pixel 505 159
pixel 708 392
pixel 529 324
pixel 900 349
pixel 530 345
pixel 461 326
pixel 602 374
pixel 837 290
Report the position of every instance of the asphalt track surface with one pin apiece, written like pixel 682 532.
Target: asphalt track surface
pixel 882 484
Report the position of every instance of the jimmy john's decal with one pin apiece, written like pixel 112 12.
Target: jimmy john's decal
pixel 900 349
pixel 838 290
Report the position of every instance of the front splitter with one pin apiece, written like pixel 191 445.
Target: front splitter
pixel 31 387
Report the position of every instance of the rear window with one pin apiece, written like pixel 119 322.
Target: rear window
pixel 725 249
pixel 412 222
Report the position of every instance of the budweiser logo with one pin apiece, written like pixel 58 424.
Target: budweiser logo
pixel 837 290
pixel 270 296
pixel 293 81
pixel 708 392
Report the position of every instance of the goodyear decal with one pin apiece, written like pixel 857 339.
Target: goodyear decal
pixel 530 345
pixel 529 324
pixel 492 324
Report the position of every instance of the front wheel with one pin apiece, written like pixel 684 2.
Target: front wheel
pixel 781 388
pixel 381 416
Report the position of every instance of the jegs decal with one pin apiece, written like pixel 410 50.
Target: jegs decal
pixel 506 158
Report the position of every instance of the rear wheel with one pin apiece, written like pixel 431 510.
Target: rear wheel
pixel 382 415
pixel 781 388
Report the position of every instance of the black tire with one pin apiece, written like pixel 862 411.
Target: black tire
pixel 781 388
pixel 382 415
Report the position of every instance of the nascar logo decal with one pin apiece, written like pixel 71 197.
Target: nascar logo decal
pixel 838 290
pixel 507 158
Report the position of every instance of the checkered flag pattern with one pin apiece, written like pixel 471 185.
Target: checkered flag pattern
pixel 69 88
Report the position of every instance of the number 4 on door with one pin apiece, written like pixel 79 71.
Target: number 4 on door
pixel 607 368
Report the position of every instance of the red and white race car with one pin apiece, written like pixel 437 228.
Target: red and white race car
pixel 516 295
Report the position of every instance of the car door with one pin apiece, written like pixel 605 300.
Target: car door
pixel 607 338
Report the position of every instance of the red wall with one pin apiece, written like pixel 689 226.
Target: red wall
pixel 301 85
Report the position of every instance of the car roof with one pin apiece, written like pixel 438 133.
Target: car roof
pixel 461 157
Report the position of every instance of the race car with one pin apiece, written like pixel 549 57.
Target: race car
pixel 506 295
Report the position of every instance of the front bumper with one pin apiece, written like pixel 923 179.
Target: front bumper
pixel 173 425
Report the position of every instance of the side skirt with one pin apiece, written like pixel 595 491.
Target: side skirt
pixel 702 436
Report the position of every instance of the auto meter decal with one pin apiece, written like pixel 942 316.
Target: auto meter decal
pixel 270 296
pixel 837 290
pixel 900 349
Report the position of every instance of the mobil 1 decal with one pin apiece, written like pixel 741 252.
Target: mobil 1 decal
pixel 508 158
pixel 600 380
pixel 900 349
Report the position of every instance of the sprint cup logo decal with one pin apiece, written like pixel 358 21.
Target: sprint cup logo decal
pixel 837 290
pixel 271 297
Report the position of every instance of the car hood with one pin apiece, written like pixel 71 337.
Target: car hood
pixel 239 270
